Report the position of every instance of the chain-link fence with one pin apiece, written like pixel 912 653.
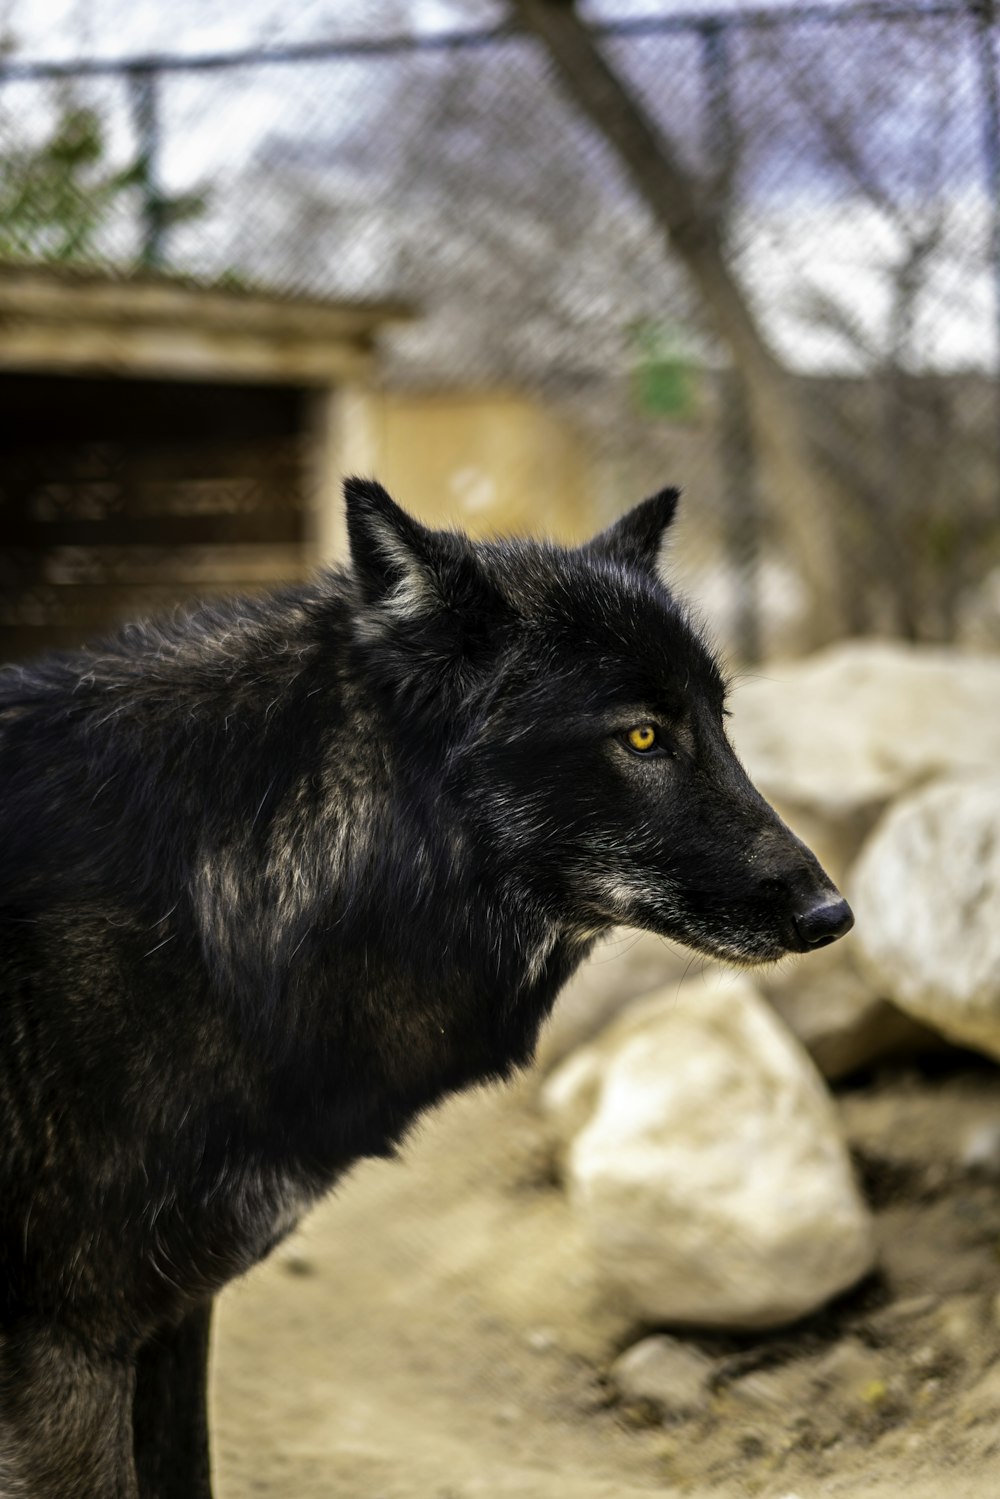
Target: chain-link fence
pixel 846 156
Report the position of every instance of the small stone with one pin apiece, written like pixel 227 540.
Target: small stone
pixel 665 1372
pixel 541 1339
pixel 981 1151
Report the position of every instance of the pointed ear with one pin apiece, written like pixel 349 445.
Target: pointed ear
pixel 635 540
pixel 431 608
pixel 414 575
pixel 393 554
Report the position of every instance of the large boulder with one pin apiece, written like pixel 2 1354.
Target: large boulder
pixel 705 1159
pixel 833 738
pixel 926 890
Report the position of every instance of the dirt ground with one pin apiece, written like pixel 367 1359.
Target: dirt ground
pixel 434 1332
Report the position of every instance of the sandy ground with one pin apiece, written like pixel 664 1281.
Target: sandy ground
pixel 434 1332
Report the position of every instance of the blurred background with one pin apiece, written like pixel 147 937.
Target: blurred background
pixel 763 264
pixel 529 261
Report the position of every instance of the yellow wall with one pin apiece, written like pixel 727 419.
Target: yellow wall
pixel 487 462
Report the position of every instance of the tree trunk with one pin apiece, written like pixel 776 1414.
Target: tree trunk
pixel 804 498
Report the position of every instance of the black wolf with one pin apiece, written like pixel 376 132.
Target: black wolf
pixel 276 876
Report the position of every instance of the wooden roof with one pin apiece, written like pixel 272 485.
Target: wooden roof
pixel 66 322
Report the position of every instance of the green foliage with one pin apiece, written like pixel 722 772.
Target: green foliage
pixel 663 380
pixel 56 197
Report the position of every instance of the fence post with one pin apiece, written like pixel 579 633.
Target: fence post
pixel 144 89
pixel 741 526
pixel 984 15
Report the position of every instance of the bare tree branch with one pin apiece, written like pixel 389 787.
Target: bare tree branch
pixel 804 498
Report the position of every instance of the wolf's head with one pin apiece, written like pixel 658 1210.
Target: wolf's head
pixel 574 720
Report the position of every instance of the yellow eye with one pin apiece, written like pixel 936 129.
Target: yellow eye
pixel 643 737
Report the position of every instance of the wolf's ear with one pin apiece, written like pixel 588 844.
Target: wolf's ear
pixel 636 539
pixel 393 554
pixel 413 572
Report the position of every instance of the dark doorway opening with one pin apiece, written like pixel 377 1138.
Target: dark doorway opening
pixel 122 498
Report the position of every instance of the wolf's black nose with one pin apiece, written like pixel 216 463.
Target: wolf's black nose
pixel 824 923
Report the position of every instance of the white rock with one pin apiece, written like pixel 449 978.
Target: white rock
pixel 832 738
pixel 926 892
pixel 711 1176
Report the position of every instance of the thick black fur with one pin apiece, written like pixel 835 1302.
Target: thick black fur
pixel 277 875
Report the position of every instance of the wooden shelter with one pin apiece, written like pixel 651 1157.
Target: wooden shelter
pixel 160 440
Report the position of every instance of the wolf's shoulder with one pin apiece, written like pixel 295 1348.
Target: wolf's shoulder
pixel 206 646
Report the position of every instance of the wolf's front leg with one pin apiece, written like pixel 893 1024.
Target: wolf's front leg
pixel 171 1411
pixel 65 1416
